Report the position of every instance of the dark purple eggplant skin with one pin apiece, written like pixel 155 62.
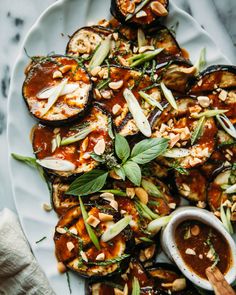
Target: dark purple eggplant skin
pixel 209 71
pixel 115 11
pixel 97 29
pixel 64 122
pixel 190 290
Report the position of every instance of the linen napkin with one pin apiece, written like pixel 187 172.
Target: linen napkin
pixel 20 273
pixel 206 13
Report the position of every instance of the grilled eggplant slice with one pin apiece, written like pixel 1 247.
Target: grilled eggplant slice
pixel 109 88
pixel 85 41
pixel 76 250
pixel 169 280
pixel 66 151
pixel 192 186
pixel 125 11
pixel 221 189
pixel 179 125
pixel 57 90
pixel 61 201
pixel 124 282
pixel 219 84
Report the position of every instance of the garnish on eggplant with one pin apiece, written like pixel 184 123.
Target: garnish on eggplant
pixel 109 91
pixel 221 192
pixel 218 83
pixel 57 90
pixel 180 127
pixel 192 186
pixel 124 282
pixel 77 251
pixel 66 151
pixel 139 13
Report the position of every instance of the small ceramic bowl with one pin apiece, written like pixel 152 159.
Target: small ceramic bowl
pixel 170 248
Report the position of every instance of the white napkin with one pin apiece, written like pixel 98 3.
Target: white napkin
pixel 205 12
pixel 19 271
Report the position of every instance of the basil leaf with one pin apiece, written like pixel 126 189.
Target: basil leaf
pixel 198 130
pixel 109 261
pixel 122 147
pixel 148 149
pixel 89 229
pixel 120 172
pixel 133 172
pixel 88 183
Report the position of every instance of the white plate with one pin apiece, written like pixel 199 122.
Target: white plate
pixel 44 37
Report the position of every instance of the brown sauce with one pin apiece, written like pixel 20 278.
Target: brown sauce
pixel 208 245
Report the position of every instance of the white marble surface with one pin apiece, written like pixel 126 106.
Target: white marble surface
pixel 17 16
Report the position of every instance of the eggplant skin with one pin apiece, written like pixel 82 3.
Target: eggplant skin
pixel 211 76
pixel 80 241
pixel 146 21
pixel 97 32
pixel 59 114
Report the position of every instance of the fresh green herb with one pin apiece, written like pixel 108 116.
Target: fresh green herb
pixel 209 113
pixel 177 153
pixel 228 142
pixel 145 66
pixel 151 188
pixel 68 282
pixel 89 229
pixel 228 216
pixel 198 130
pixel 76 137
pixel 187 234
pixel 114 192
pixel 109 261
pixel 225 218
pixel 154 63
pixel 155 226
pixel 145 210
pixel 231 189
pixel 135 287
pixel 88 183
pixel 133 172
pixel 201 62
pixel 32 163
pixel 177 167
pixel 80 241
pixel 120 172
pixel 213 251
pixel 144 57
pixel 226 125
pixel 148 149
pixel 137 9
pixel 101 53
pixel 151 86
pixel 173 29
pixel 169 96
pixel 103 83
pixel 41 59
pixel 110 129
pixel 42 239
pixel 149 99
pixel 122 147
pixel 146 240
pixel 153 203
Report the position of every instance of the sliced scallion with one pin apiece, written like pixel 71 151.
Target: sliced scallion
pixel 169 96
pixel 137 9
pixel 135 287
pixel 144 57
pixel 155 225
pixel 226 125
pixel 225 218
pixel 54 97
pixel 145 210
pixel 198 130
pixel 89 229
pixel 56 164
pixel 231 189
pixel 228 216
pixel 151 188
pixel 115 229
pixel 209 113
pixel 201 62
pixel 141 38
pixel 101 53
pixel 76 137
pixel 114 192
pixel 150 100
pixel 177 153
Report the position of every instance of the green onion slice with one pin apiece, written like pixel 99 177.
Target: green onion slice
pixel 115 229
pixel 169 96
pixel 150 100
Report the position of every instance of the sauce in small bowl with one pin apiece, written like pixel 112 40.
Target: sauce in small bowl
pixel 195 239
pixel 202 246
